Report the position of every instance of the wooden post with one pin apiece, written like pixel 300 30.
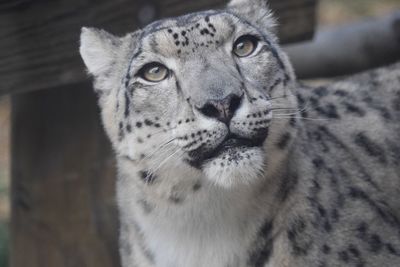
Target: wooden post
pixel 63 210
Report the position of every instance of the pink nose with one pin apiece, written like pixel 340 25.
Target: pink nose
pixel 222 109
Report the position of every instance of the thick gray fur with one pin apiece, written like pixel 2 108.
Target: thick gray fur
pixel 322 190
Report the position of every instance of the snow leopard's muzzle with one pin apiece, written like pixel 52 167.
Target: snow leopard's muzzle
pixel 224 110
pixel 200 155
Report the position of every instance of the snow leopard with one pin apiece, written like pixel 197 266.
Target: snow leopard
pixel 225 159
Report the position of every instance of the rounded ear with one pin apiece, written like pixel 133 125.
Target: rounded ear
pixel 98 50
pixel 256 12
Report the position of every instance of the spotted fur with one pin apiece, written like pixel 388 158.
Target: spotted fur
pixel 230 161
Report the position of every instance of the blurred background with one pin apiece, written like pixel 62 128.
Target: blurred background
pixel 4 177
pixel 340 12
pixel 330 13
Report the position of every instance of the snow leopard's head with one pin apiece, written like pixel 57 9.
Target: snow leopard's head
pixel 200 92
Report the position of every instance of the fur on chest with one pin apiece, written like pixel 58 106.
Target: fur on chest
pixel 210 227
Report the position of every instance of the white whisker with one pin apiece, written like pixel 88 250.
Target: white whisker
pixel 153 170
pixel 163 131
pixel 299 111
pixel 157 149
pixel 278 97
pixel 300 118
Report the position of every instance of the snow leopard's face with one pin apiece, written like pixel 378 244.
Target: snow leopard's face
pixel 195 92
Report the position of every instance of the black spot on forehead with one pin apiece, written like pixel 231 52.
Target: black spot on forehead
pixel 190 32
pixel 182 21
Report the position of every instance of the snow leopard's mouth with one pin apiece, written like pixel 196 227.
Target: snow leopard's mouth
pixel 201 155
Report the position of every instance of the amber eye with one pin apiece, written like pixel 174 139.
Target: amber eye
pixel 154 72
pixel 245 45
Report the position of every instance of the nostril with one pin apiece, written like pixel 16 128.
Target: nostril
pixel 222 109
pixel 234 104
pixel 210 110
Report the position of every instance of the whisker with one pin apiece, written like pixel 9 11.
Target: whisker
pixel 303 109
pixel 164 131
pixel 288 114
pixel 302 118
pixel 272 109
pixel 153 170
pixel 278 97
pixel 158 149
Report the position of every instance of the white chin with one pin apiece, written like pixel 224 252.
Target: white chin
pixel 235 166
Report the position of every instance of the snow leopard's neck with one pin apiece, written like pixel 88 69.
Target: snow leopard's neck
pixel 196 223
